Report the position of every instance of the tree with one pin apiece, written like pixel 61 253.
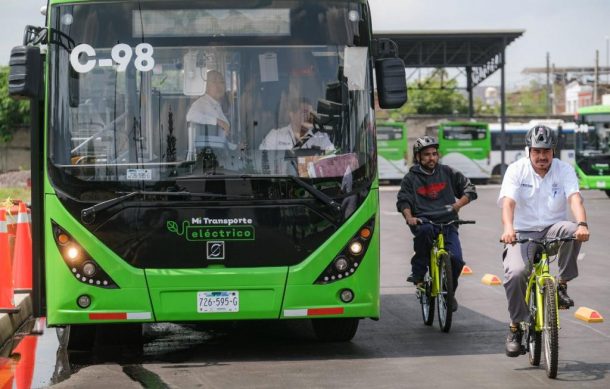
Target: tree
pixel 13 113
pixel 529 100
pixel 435 95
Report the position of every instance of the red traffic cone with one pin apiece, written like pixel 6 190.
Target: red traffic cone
pixel 27 359
pixel 7 303
pixel 6 373
pixel 22 261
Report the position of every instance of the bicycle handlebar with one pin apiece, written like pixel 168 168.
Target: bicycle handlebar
pixel 545 241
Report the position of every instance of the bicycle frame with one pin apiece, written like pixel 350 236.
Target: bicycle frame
pixel 438 248
pixel 540 272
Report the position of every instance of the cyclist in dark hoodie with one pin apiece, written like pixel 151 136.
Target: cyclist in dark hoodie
pixel 434 192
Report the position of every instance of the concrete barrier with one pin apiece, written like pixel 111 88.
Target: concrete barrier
pixel 10 323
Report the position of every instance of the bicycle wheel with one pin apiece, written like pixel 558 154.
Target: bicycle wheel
pixel 427 301
pixel 550 331
pixel 445 295
pixel 533 337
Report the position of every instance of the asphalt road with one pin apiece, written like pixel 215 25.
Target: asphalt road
pixel 396 351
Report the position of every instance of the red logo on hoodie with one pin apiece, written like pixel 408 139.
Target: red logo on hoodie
pixel 431 191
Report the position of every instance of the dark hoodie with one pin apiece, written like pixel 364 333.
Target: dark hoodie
pixel 427 195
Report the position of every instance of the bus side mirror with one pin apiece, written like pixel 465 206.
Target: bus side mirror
pixel 391 82
pixel 25 77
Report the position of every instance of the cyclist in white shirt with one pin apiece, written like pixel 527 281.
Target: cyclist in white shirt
pixel 299 133
pixel 535 196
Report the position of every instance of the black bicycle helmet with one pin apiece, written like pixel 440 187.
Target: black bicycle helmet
pixel 540 137
pixel 423 143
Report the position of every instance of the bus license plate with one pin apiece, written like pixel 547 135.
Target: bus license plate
pixel 601 184
pixel 220 301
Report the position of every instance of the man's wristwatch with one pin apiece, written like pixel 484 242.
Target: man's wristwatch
pixel 584 224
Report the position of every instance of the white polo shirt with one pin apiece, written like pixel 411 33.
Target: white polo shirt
pixel 540 202
pixel 284 139
pixel 206 110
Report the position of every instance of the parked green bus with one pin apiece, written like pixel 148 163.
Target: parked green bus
pixel 153 198
pixel 592 148
pixel 392 150
pixel 466 146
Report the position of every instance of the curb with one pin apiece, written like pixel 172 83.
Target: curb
pixel 10 323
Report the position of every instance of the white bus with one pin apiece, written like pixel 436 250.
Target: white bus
pixel 515 141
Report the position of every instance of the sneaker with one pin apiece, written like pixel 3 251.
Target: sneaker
pixel 565 302
pixel 414 279
pixel 513 342
pixel 455 305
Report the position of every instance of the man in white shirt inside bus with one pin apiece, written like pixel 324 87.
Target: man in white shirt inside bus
pixel 299 133
pixel 207 108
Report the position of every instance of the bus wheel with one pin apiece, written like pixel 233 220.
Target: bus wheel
pixel 335 330
pixel 81 337
pixel 497 170
pixel 607 193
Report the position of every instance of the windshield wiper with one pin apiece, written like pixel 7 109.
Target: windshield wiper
pixel 318 194
pixel 87 215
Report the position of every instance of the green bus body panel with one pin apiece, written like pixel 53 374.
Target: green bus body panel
pixel 302 294
pixel 174 292
pixel 62 287
pixel 171 294
pixel 591 181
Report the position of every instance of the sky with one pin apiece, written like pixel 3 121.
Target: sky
pixel 570 30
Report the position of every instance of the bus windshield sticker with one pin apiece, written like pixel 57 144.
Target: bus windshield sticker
pixel 355 67
pixel 139 174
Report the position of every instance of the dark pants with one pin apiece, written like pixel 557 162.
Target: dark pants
pixel 423 236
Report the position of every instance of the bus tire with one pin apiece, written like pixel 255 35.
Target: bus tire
pixel 607 192
pixel 335 330
pixel 81 337
pixel 497 170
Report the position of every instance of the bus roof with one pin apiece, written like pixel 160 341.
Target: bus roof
pixel 524 127
pixel 594 109
pixel 463 124
pixel 390 124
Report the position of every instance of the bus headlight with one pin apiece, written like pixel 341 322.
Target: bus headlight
pixel 84 268
pixel 348 260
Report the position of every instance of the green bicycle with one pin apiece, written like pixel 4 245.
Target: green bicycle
pixel 542 327
pixel 437 287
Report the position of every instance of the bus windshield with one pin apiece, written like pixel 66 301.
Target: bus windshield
pixel 465 146
pixel 594 135
pixel 141 97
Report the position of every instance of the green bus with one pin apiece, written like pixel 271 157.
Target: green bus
pixel 152 197
pixel 392 150
pixel 466 146
pixel 592 148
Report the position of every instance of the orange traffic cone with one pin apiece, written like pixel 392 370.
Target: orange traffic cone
pixel 22 261
pixel 7 304
pixel 27 359
pixel 6 373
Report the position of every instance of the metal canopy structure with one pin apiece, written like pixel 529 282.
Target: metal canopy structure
pixel 480 53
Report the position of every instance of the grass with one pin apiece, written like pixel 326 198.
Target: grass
pixel 15 193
